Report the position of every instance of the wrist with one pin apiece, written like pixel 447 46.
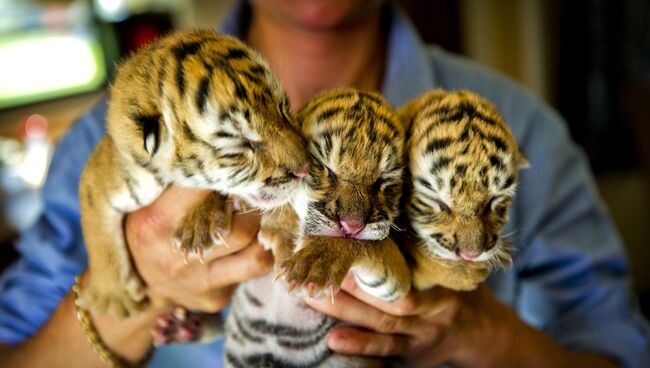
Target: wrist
pixel 127 339
pixel 527 346
pixel 505 340
pixel 524 346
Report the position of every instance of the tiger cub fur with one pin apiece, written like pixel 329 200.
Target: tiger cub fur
pixel 340 220
pixel 463 166
pixel 195 109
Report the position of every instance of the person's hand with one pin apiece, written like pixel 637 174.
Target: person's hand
pixel 441 326
pixel 424 329
pixel 205 287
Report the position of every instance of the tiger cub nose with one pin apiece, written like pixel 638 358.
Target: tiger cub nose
pixel 300 173
pixel 351 226
pixel 468 255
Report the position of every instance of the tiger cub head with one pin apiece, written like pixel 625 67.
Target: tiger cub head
pixel 355 182
pixel 463 165
pixel 226 123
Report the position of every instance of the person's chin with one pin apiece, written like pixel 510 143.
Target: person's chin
pixel 322 14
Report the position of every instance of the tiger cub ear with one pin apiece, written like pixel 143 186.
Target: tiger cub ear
pixel 521 160
pixel 405 114
pixel 150 126
pixel 410 109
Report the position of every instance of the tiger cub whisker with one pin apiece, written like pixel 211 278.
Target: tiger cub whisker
pixel 463 170
pixel 338 223
pixel 181 112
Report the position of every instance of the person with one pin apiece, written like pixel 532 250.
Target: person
pixel 566 301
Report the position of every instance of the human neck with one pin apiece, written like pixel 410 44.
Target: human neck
pixel 308 62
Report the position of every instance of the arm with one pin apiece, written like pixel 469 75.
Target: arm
pixel 568 296
pixel 62 338
pixel 440 326
pixel 38 326
pixel 170 281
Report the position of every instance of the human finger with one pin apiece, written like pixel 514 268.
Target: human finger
pixel 353 341
pixel 402 350
pixel 432 302
pixel 155 224
pixel 250 262
pixel 355 311
pixel 152 227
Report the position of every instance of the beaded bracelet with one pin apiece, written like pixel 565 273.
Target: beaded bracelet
pixel 105 354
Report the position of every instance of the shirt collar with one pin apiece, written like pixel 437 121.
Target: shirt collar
pixel 407 73
pixel 236 21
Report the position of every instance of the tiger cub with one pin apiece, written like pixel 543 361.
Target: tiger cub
pixel 340 220
pixel 195 109
pixel 463 164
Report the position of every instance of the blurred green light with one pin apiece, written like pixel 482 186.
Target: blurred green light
pixel 44 65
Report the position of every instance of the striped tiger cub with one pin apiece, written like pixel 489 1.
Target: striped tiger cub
pixel 463 166
pixel 195 109
pixel 340 220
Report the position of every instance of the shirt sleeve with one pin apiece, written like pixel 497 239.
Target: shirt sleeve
pixel 51 251
pixel 573 276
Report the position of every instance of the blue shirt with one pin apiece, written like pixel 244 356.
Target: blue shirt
pixel 570 276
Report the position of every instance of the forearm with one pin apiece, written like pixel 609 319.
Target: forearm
pixel 63 343
pixel 532 348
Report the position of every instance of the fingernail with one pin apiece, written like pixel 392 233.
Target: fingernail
pixel 236 205
pixel 314 300
pixel 348 282
pixel 337 342
pixel 180 313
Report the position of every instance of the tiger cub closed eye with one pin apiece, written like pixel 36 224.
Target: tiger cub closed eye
pixel 340 220
pixel 351 197
pixel 194 109
pixel 463 165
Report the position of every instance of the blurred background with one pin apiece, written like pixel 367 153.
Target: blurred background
pixel 590 59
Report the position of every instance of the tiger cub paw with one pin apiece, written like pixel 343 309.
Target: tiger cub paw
pixel 468 277
pixel 181 326
pixel 316 268
pixel 204 227
pixel 122 298
pixel 454 275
